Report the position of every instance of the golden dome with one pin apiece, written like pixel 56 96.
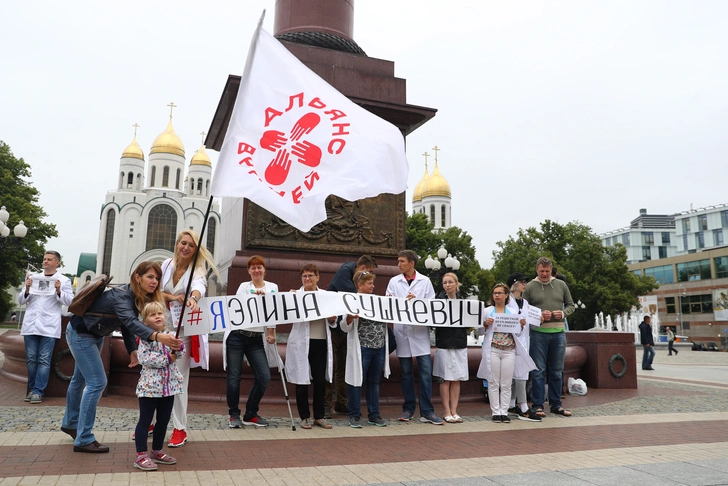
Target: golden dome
pixel 436 185
pixel 168 143
pixel 417 196
pixel 201 157
pixel 133 151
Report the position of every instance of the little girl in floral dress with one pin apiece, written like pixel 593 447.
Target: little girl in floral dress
pixel 159 382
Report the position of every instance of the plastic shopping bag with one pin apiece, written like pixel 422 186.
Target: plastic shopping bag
pixel 577 387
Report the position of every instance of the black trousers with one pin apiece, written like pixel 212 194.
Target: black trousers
pixel 670 347
pixel 317 357
pixel 147 407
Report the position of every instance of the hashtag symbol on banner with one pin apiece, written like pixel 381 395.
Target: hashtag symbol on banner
pixel 194 317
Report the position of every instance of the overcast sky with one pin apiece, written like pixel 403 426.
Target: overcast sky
pixel 566 110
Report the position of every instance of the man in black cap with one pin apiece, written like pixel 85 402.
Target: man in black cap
pixel 518 305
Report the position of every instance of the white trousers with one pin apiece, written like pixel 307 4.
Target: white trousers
pixel 179 411
pixel 502 364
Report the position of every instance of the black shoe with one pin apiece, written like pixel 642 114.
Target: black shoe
pixel 529 416
pixel 515 410
pixel 497 418
pixel 71 432
pixel 94 448
pixel 505 419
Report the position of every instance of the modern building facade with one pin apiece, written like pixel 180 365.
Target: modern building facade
pixel 648 237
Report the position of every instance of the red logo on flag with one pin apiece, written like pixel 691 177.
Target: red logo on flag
pixel 298 135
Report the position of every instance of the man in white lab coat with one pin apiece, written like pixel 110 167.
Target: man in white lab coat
pixel 414 341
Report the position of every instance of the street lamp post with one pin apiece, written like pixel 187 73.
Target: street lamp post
pixel 681 290
pixel 443 263
pixel 19 231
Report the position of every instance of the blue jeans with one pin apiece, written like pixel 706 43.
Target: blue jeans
pixel 547 351
pixel 38 352
pixel 239 345
pixel 648 356
pixel 424 364
pixel 87 385
pixel 372 364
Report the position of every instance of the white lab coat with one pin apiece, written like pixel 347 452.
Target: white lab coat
pixel 411 340
pixel 43 314
pixel 524 363
pixel 199 284
pixel 244 289
pixel 354 373
pixel 298 368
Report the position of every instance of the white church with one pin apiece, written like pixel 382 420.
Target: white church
pixel 151 204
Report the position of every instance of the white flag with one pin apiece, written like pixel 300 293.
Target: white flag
pixel 293 140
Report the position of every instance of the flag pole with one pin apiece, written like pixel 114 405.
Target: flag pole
pixel 194 266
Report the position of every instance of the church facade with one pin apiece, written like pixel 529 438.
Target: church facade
pixel 152 203
pixel 432 197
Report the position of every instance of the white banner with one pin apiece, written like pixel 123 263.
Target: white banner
pixel 43 285
pixel 533 316
pixel 507 323
pixel 293 140
pixel 236 312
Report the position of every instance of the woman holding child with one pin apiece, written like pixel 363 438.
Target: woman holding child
pixel 117 307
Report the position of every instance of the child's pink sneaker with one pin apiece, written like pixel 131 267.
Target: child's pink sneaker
pixel 144 463
pixel 161 458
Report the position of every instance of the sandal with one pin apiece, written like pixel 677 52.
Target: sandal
pixel 322 423
pixel 305 424
pixel 538 411
pixel 449 419
pixel 561 411
pixel 458 418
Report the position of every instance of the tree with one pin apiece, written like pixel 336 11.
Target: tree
pixel 424 241
pixel 20 199
pixel 597 275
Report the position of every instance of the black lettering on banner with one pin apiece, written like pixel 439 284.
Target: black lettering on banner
pixel 400 311
pixel 419 308
pixel 384 312
pixel 273 314
pixel 253 309
pixel 478 311
pixel 235 307
pixel 349 301
pixel 310 306
pixel 368 311
pixel 437 310
pixel 456 315
pixel 290 307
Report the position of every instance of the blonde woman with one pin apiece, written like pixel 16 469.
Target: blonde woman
pixel 451 355
pixel 176 274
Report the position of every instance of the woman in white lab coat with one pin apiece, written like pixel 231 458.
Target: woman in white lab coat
pixel 309 358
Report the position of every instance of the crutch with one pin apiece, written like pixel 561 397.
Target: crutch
pixel 283 380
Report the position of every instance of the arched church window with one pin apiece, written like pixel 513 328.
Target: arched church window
pixel 442 215
pixel 121 180
pixel 207 187
pixel 154 176
pixel 130 180
pixel 165 176
pixel 108 242
pixel 161 228
pixel 191 185
pixel 176 183
pixel 199 185
pixel 139 182
pixel 432 214
pixel 211 230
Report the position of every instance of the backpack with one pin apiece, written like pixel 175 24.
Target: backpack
pixel 85 297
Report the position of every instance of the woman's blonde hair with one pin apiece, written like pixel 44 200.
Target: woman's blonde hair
pixel 362 277
pixel 207 260
pixel 151 308
pixel 141 297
